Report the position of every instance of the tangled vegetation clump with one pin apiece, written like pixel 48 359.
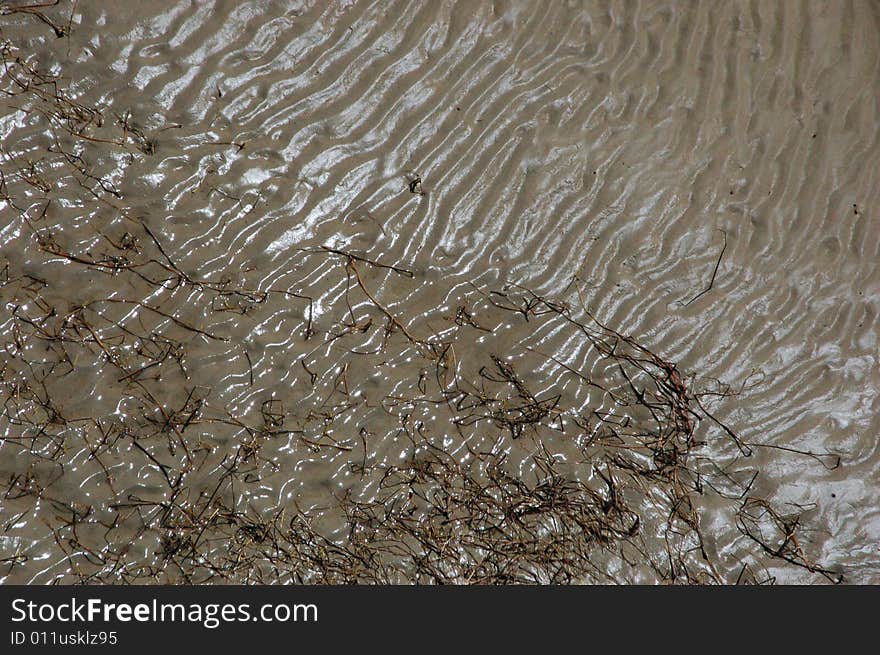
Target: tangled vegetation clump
pixel 504 437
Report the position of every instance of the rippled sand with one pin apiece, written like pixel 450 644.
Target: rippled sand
pixel 700 176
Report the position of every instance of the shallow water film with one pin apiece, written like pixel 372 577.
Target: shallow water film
pixel 435 292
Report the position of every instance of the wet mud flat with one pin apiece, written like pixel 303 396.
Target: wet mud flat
pixel 439 293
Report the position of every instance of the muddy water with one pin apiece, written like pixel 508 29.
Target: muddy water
pixel 625 156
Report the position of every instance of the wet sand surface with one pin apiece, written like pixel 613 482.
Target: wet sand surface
pixel 268 267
